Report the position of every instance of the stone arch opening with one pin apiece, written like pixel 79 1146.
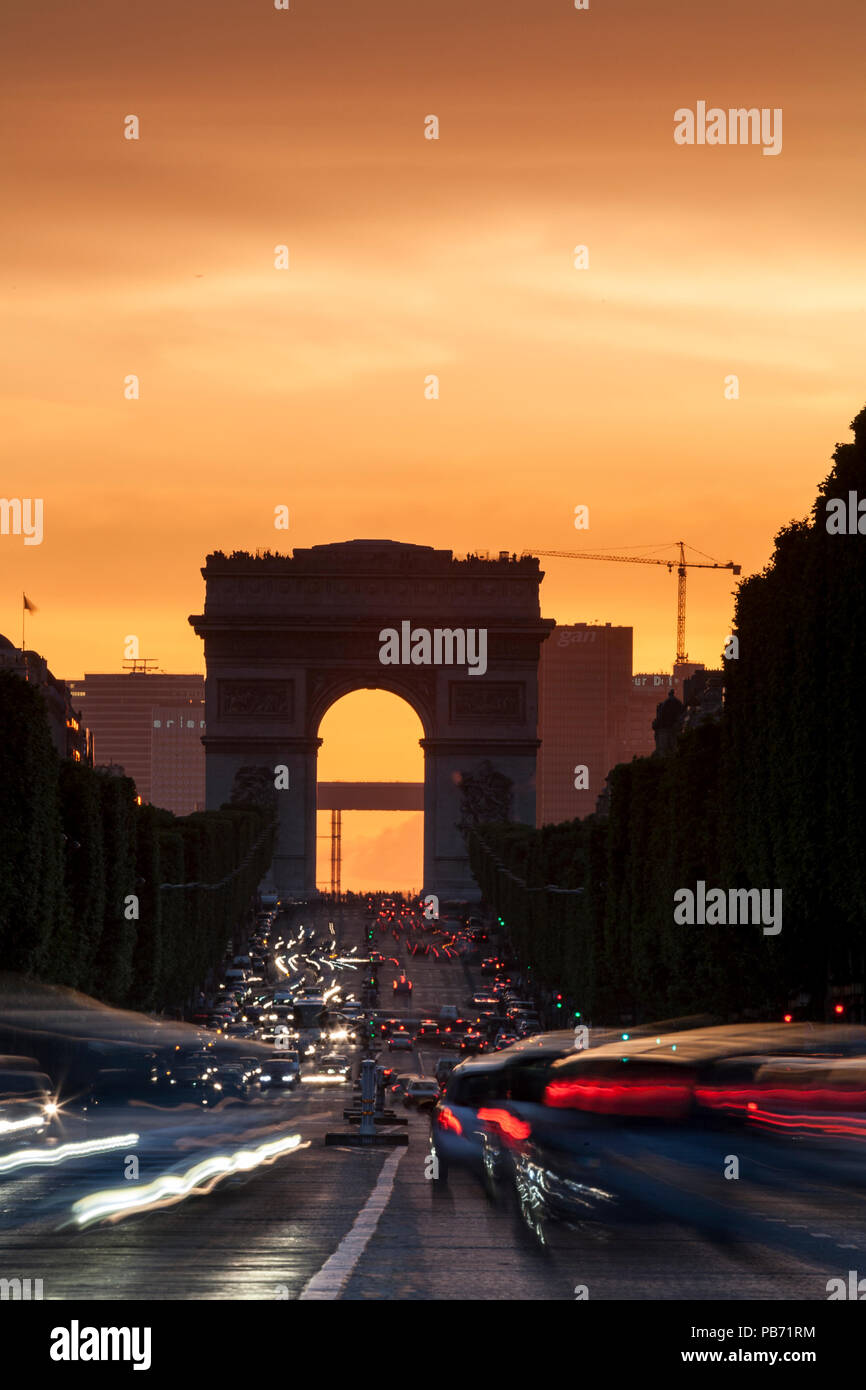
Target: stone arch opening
pixel 370 784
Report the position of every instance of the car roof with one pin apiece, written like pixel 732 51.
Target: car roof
pixel 698 1045
pixel 541 1044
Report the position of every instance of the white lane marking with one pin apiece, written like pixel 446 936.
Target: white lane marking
pixel 337 1270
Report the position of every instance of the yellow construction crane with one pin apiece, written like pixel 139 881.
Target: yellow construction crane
pixel 682 565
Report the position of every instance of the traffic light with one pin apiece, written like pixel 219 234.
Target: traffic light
pixel 559 1002
pixel 838 1008
pixel 578 1014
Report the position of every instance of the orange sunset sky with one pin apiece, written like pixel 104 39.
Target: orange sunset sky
pixel 408 257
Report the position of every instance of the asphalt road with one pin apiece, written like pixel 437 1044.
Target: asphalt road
pixel 321 1222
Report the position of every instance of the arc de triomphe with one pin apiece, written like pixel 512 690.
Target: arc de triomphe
pixel 287 636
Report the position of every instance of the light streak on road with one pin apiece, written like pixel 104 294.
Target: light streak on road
pixel 27 1158
pixel 113 1204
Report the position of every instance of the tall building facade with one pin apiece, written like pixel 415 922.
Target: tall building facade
pixel 177 758
pixel 648 689
pixel 593 713
pixel 584 690
pixel 121 709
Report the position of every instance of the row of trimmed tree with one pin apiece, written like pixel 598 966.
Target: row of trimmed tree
pixel 122 901
pixel 771 796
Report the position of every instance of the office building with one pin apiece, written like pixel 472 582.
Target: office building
pixel 584 689
pixel 121 707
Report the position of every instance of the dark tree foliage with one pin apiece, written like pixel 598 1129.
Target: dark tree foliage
pixel 31 834
pixel 769 797
pixel 126 902
pixel 81 808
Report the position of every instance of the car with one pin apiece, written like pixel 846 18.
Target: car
pixel 443 1069
pixel 477 1090
pixel 284 1070
pixel 504 1039
pixel 421 1093
pixel 403 985
pixel 401 1042
pixel 27 1101
pixel 484 1003
pixel 271 1035
pixel 335 1065
pixel 526 1027
pixel 344 1030
pixel 399 1085
pixel 192 1081
pixel 427 1031
pixel 233 1079
pixel 519 1006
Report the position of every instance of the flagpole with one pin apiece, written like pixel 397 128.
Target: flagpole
pixel 23 618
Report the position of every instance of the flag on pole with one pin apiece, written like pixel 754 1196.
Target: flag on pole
pixel 29 607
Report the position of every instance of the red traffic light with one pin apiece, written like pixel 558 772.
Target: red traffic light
pixel 788 1018
pixel 839 1008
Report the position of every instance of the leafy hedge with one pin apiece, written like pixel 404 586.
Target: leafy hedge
pixel 75 846
pixel 770 796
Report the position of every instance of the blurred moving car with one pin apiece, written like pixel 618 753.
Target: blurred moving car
pixel 401 1042
pixel 402 985
pixel 478 1088
pixel 603 1105
pixel 27 1102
